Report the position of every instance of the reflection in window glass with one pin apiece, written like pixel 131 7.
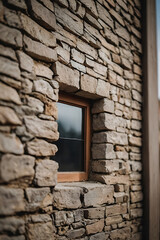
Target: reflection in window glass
pixel 70 155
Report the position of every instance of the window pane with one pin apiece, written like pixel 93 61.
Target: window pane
pixel 70 155
pixel 70 121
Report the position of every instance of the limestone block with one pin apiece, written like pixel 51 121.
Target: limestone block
pixel 41 231
pixel 88 83
pixel 123 233
pixel 42 70
pixel 8 116
pixel 123 33
pixel 121 179
pixel 41 128
pixel 135 156
pixel 69 20
pixel 103 88
pixel 15 167
pixel 91 6
pixel 45 88
pixel 103 105
pixel 39 51
pixel 46 173
pixel 93 213
pixel 137 96
pixel 137 212
pixel 98 236
pixel 113 220
pixel 77 56
pixel 87 49
pixel 48 4
pixel 135 141
pixel 99 68
pixel 104 121
pixel 38 198
pixel 9 143
pixel 8 52
pixel 43 15
pixel 12 225
pixel 136 196
pixel 95 227
pixel 135 176
pixel 37 32
pixel 9 94
pixel 116 209
pixel 51 109
pixel 117 138
pixel 136 166
pixel 123 5
pixel 4 237
pixel 12 18
pixel 105 166
pixel 67 78
pixel 67 197
pixel 97 194
pixel 26 62
pixel 11 200
pixel 38 218
pixel 11 36
pixel 63 55
pixel 78 66
pixel 40 147
pixel 104 15
pixel 35 104
pixel 72 234
pixel 20 4
pixel 9 68
pixel 93 21
pixel 103 151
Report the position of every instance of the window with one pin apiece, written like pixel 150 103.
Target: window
pixel 74 142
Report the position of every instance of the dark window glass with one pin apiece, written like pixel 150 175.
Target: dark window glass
pixel 70 155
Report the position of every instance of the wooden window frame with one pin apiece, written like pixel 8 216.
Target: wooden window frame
pixel 84 103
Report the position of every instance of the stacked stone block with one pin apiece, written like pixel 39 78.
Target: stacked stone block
pixel 90 49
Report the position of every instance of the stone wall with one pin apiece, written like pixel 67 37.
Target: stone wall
pixel 87 48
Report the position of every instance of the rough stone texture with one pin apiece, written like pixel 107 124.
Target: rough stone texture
pixel 46 173
pixel 14 167
pixel 90 49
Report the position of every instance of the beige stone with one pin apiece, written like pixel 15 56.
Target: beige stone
pixel 41 231
pixel 121 179
pixel 137 96
pixel 69 20
pixel 9 94
pixel 8 52
pixel 51 109
pixel 67 78
pixel 124 233
pixel 9 68
pixel 91 6
pixel 103 88
pixel 117 138
pixel 78 66
pixel 41 128
pixel 135 141
pixel 12 225
pixel 103 151
pixel 88 83
pixel 26 62
pixel 10 36
pixel 113 219
pixel 116 209
pixel 136 213
pixel 15 167
pixel 103 105
pixel 99 68
pixel 11 200
pixel 20 4
pixel 39 51
pixel 9 143
pixel 63 55
pixel 45 88
pixel 93 213
pixel 117 17
pixel 42 70
pixel 95 227
pixel 72 234
pixel 46 173
pixel 111 37
pixel 105 166
pixel 136 197
pixel 8 116
pixel 43 15
pixel 87 49
pixel 77 56
pixel 37 32
pixel 40 147
pixel 104 15
pixel 123 33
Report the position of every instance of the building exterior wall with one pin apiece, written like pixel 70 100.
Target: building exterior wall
pixel 86 48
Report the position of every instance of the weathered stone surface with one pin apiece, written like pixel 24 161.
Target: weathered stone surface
pixel 8 116
pixel 98 236
pixel 67 78
pixel 14 167
pixel 7 52
pixel 117 16
pixel 95 227
pixel 136 96
pixel 51 109
pixel 37 32
pixel 103 105
pixel 123 33
pixel 12 225
pixel 46 173
pixel 104 15
pixel 26 62
pixel 38 198
pixel 91 6
pixel 4 237
pixel 87 49
pixel 39 147
pixel 41 231
pixel 20 4
pixel 105 166
pixel 12 18
pixel 117 138
pixel 123 233
pixel 42 70
pixel 135 141
pixel 99 68
pixel 121 179
pixel 63 55
pixel 103 88
pixel 78 66
pixel 41 128
pixel 10 36
pixel 67 197
pixel 9 143
pixel 113 220
pixel 45 88
pixel 11 200
pixel 72 234
pixel 39 51
pixel 69 20
pixel 135 213
pixel 36 105
pixel 9 94
pixel 77 56
pixel 103 151
pixel 9 68
pixel 88 83
pixel 93 213
pixel 136 197
pixel 43 15
pixel 116 209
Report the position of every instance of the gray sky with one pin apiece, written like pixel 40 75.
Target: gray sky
pixel 158 43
